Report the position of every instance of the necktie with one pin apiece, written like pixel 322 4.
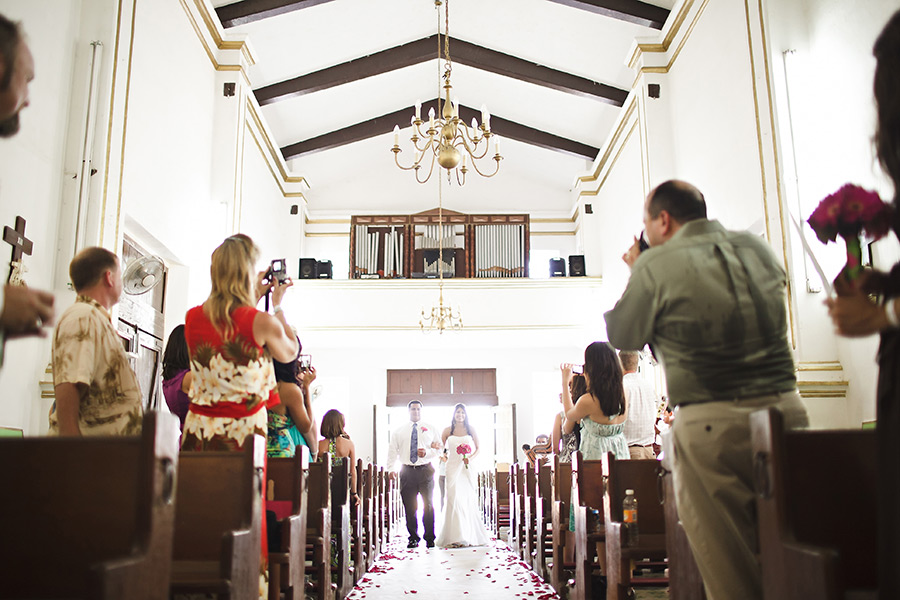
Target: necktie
pixel 414 445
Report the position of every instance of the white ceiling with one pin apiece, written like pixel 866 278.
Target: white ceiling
pixel 361 177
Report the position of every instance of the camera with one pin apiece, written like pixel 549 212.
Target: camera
pixel 305 362
pixel 642 242
pixel 277 271
pixel 578 369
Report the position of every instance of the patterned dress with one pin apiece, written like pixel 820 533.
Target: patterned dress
pixel 233 384
pixel 279 442
pixel 568 442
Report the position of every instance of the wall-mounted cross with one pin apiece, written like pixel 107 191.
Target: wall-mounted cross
pixel 16 238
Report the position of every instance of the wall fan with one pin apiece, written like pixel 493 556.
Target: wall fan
pixel 143 274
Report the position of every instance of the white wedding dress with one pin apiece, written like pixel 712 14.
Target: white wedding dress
pixel 462 521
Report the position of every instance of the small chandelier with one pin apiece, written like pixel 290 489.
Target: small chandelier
pixel 440 317
pixel 448 140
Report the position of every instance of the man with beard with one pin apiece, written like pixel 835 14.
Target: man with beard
pixel 23 311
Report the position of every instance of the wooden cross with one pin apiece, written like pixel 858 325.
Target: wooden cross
pixel 16 238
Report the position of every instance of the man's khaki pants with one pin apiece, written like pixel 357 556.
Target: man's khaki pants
pixel 713 477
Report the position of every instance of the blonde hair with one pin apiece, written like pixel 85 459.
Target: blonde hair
pixel 230 270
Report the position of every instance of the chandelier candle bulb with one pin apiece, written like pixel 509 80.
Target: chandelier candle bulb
pixel 431 118
pixel 396 135
pixel 418 110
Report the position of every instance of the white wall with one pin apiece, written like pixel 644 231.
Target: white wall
pixel 829 80
pixel 31 183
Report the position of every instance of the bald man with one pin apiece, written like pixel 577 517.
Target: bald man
pixel 712 304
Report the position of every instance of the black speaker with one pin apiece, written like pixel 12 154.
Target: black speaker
pixel 557 267
pixel 576 265
pixel 323 269
pixel 308 268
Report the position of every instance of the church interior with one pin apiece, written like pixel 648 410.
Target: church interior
pixel 160 127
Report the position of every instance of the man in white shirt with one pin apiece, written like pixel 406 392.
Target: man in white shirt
pixel 643 406
pixel 415 445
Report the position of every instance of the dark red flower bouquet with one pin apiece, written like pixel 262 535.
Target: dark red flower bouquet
pixel 849 212
pixel 465 450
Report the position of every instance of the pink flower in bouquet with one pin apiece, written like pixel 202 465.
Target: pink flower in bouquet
pixel 849 212
pixel 464 450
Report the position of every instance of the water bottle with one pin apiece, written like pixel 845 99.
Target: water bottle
pixel 630 518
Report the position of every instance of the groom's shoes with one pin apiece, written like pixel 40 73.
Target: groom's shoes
pixel 429 543
pixel 414 544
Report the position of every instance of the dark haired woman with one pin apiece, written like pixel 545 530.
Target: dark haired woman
pixel 601 410
pixel 177 375
pixel 565 444
pixel 337 443
pixel 291 424
pixel 462 521
pixel 855 315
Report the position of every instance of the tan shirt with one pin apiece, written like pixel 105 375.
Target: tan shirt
pixel 87 349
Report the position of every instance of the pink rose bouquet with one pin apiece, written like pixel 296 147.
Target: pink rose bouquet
pixel 849 212
pixel 464 450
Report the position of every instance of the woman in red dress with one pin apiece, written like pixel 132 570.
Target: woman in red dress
pixel 231 346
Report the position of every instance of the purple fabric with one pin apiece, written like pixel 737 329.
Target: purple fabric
pixel 177 401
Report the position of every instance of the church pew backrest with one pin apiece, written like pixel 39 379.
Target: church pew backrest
pixel 287 482
pixel 218 519
pixel 816 495
pixel 89 517
pixel 642 476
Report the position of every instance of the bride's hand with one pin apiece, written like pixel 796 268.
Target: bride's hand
pixel 437 445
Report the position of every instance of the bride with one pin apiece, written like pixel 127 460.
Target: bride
pixel 462 521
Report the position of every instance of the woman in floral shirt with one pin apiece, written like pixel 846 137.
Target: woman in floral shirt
pixel 231 346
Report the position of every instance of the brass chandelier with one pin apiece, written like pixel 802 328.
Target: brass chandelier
pixel 440 317
pixel 448 140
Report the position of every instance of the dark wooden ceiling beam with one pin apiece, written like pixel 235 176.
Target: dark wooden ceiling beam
pixel 425 49
pixel 630 11
pixel 385 123
pixel 248 11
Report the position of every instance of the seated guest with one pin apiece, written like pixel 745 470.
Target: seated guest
pixel 337 443
pixel 177 375
pixel 291 423
pixel 97 392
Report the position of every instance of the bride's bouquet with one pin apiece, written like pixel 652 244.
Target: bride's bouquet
pixel 464 450
pixel 847 213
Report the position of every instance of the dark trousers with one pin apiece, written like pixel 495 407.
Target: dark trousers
pixel 415 481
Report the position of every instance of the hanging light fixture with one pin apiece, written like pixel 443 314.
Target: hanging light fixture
pixel 440 317
pixel 448 140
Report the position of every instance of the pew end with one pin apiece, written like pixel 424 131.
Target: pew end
pixel 99 511
pixel 816 541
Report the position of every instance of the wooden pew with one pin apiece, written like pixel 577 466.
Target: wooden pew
pixel 368 516
pixel 561 486
pixel 642 476
pixel 500 503
pixel 587 500
pixel 357 542
pixel 817 537
pixel 218 522
pixel 529 506
pixel 286 485
pixel 318 530
pixel 685 582
pixel 89 517
pixel 543 546
pixel 517 508
pixel 341 572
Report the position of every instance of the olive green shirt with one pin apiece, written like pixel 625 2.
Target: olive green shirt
pixel 711 303
pixel 87 349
